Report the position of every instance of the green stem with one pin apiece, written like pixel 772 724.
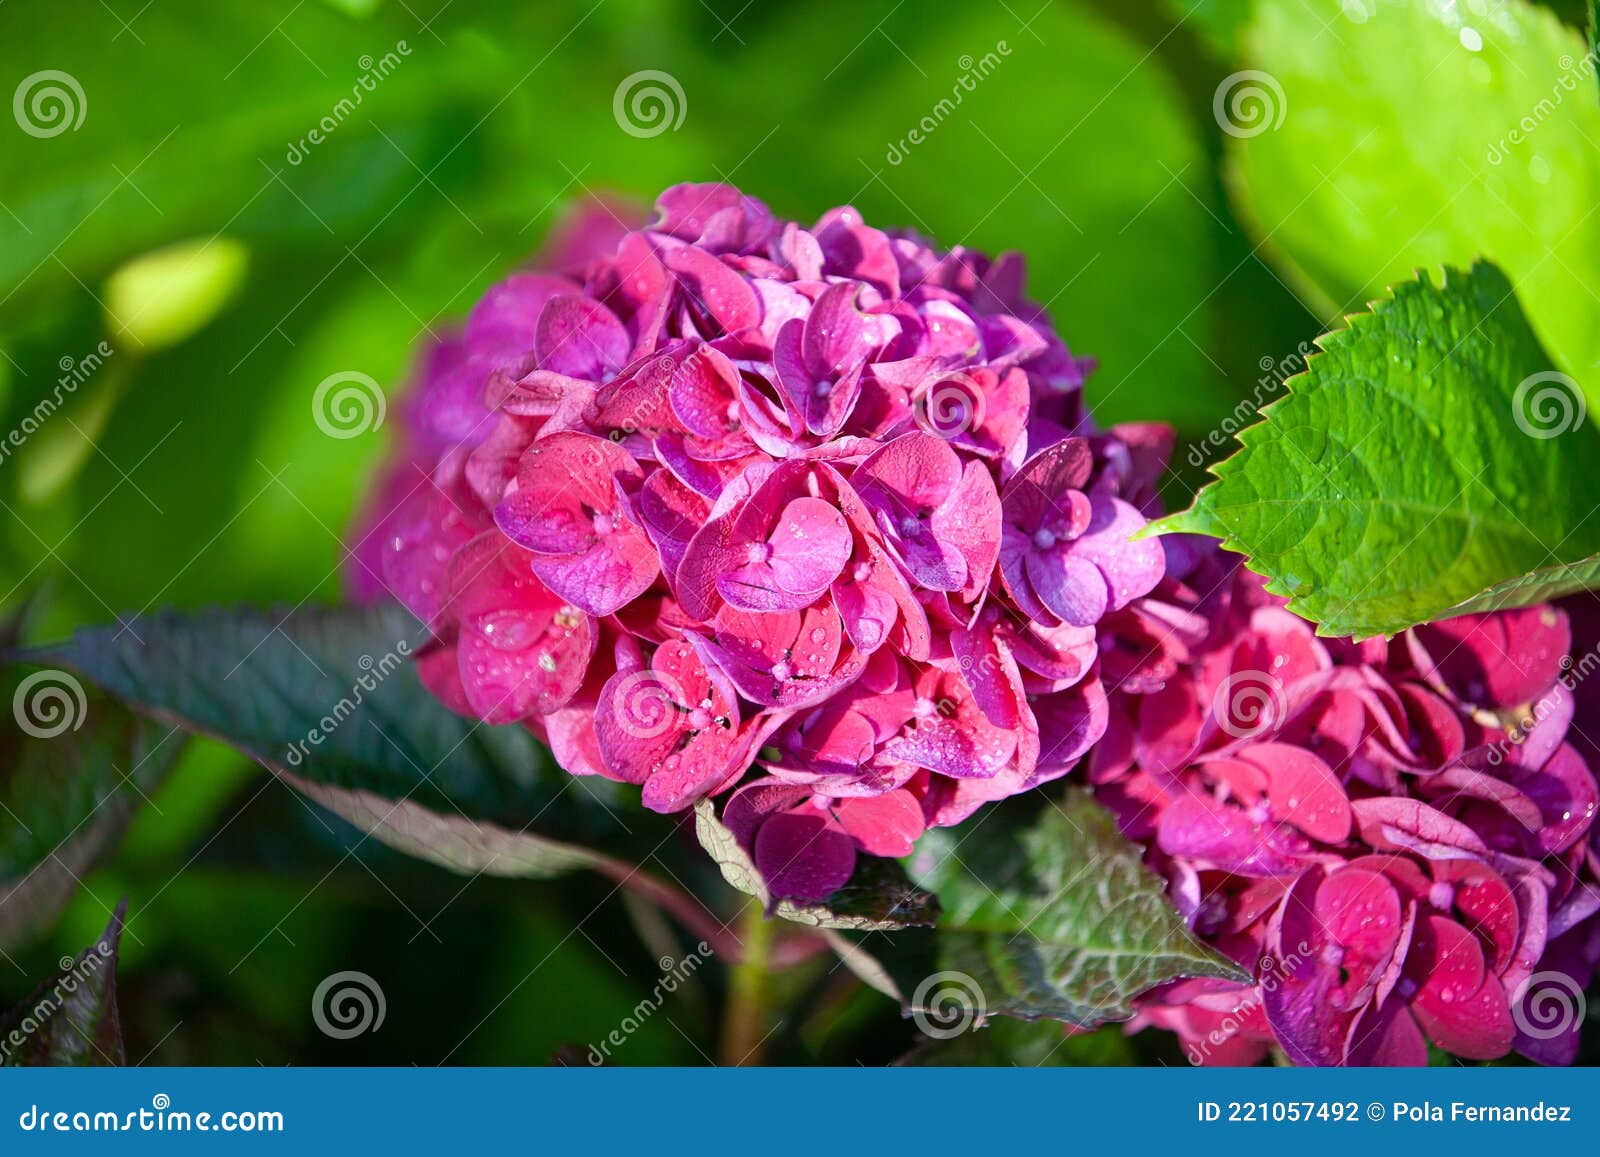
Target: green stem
pixel 743 1032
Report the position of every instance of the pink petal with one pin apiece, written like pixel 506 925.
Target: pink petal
pixel 1073 588
pixel 883 825
pixel 803 857
pixel 580 338
pixel 1302 790
pixel 722 296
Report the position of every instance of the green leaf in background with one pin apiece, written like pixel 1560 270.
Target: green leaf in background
pixel 1427 455
pixel 1419 134
pixel 72 773
pixel 878 897
pixel 1105 217
pixel 1538 586
pixel 1050 916
pixel 72 1019
pixel 196 128
pixel 331 700
pixel 1218 23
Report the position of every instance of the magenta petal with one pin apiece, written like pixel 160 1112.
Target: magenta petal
pixel 1195 825
pixel 1032 496
pixel 1070 723
pixel 810 545
pixel 1389 823
pixel 802 857
pixel 718 293
pixel 607 576
pixel 580 338
pixel 1131 569
pixel 1302 790
pixel 883 825
pixel 807 549
pixel 1565 791
pixel 704 389
pixel 1388 1036
pixel 1461 1008
pixel 1073 588
pixel 502 325
pixel 1505 659
pixel 837 336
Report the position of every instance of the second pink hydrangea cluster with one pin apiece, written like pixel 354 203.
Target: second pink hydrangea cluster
pixel 727 492
pixel 1396 838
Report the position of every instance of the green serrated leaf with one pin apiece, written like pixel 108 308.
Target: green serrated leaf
pixel 1540 586
pixel 878 897
pixel 1418 134
pixel 69 784
pixel 1049 916
pixel 71 1020
pixel 329 700
pixel 1427 456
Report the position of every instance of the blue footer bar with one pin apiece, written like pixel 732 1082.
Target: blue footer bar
pixel 775 1111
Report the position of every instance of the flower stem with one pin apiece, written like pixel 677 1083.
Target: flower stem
pixel 743 1034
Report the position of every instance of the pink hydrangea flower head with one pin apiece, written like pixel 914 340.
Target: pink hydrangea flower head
pixel 813 515
pixel 1396 838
